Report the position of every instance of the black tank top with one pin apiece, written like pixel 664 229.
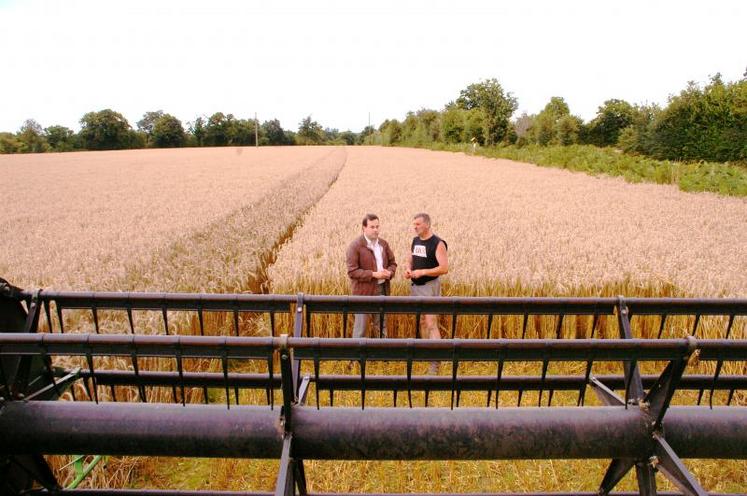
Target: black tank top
pixel 424 256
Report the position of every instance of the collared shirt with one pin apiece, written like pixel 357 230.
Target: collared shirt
pixel 378 254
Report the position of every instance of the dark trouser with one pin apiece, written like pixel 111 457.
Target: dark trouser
pixel 361 319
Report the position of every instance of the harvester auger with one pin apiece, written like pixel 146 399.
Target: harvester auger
pixel 263 396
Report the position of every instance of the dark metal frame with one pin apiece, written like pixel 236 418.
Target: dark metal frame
pixel 630 428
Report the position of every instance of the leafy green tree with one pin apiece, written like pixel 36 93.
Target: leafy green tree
pixel 167 132
pixel 522 129
pixel 474 123
pixel 310 132
pixel 197 131
pixel 391 132
pixel 545 131
pixel 638 137
pixel 704 124
pixel 31 136
pixel 105 130
pixel 273 133
pixel 567 130
pixel 452 125
pixel 9 143
pixel 365 135
pixel 612 117
pixel 349 137
pixel 218 130
pixel 60 138
pixel 496 107
pixel 148 122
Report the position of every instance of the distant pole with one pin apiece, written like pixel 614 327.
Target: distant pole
pixel 256 130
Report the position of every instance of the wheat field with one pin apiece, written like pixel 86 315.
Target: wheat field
pixel 279 219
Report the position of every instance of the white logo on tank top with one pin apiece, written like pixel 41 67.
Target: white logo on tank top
pixel 419 251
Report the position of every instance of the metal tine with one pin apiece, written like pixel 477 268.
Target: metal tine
pixel 362 362
pixel 521 393
pixel 381 322
pixel 201 319
pixel 181 372
pixel 236 321
pixel 498 376
pixel 394 397
pixel 417 324
pixel 272 323
pixel 661 325
pixel 700 395
pixel 95 312
pixel 427 393
pixel 409 375
pixel 224 363
pixel 629 380
pixel 87 387
pixel 524 326
pixel 331 397
pixel 316 374
pixel 164 311
pixel 545 364
pixel 129 319
pixel 113 392
pixel 594 322
pixel 697 321
pixel 308 323
pixel 48 315
pixel 559 327
pixel 345 321
pixel 271 390
pixel 136 368
pixel 453 324
pixel 205 398
pixel 728 327
pixel 59 317
pixel 454 368
pixel 731 396
pixel 89 359
pixel 48 365
pixel 719 364
pixel 173 394
pixel 459 395
pixel 582 391
pixel 490 325
pixel 5 378
pixel 549 400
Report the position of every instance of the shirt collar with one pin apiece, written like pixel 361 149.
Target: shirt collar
pixel 370 242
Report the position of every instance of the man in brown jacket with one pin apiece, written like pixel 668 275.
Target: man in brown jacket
pixel 371 266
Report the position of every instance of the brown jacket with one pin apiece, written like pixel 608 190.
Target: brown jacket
pixel 361 263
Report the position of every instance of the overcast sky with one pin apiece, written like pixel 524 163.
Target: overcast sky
pixel 338 61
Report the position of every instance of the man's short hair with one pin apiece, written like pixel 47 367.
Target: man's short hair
pixel 426 218
pixel 369 217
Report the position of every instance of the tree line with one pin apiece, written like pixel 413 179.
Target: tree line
pixel 700 123
pixel 110 130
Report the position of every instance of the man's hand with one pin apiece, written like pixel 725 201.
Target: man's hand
pixel 383 274
pixel 408 274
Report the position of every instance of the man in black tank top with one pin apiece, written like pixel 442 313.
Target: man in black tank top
pixel 426 261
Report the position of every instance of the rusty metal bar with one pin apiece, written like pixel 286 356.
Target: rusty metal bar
pixel 371 434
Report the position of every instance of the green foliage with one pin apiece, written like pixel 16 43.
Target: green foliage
pixel 60 138
pixel 612 117
pixel 310 132
pixel 31 136
pixel 273 133
pixel 105 130
pixel 197 132
pixel 9 143
pixel 391 132
pixel 167 132
pixel 453 124
pixel 148 122
pixel 708 124
pixel 714 177
pixel 496 106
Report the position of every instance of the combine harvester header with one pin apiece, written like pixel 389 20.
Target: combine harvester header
pixel 108 405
